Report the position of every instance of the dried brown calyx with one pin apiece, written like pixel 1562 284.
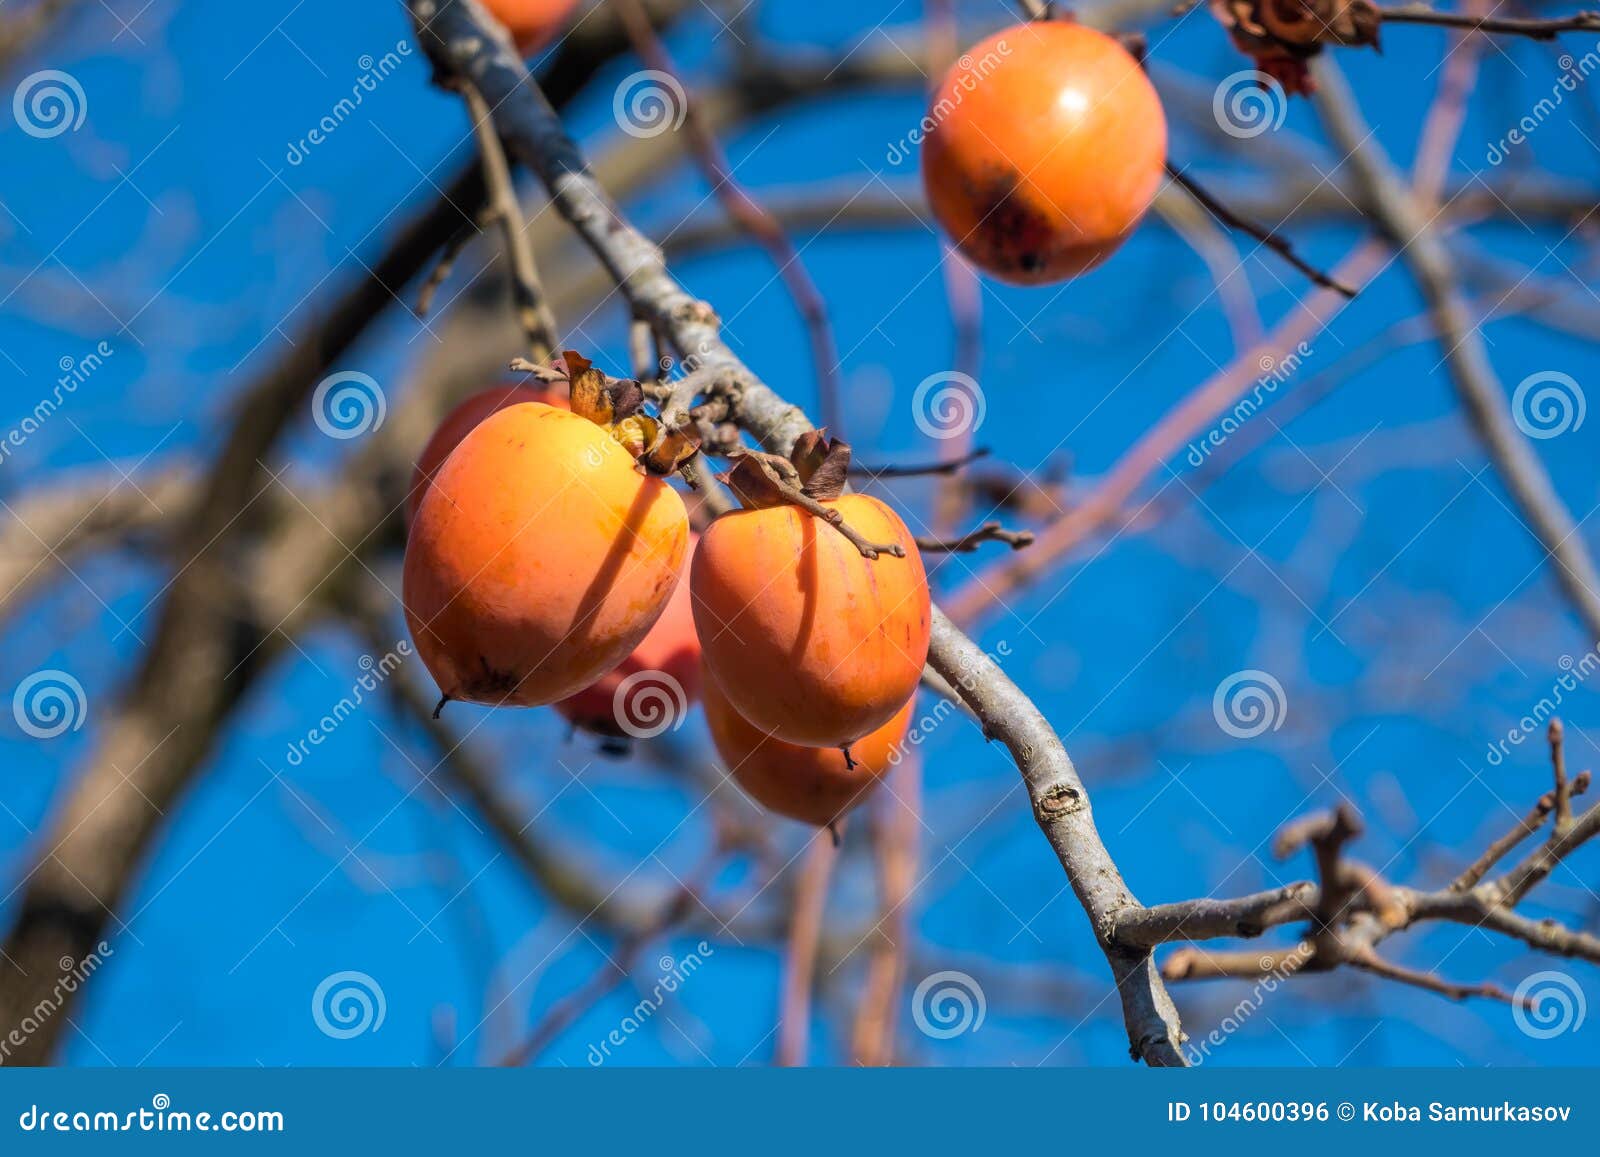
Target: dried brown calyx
pixel 1282 35
pixel 814 473
pixel 617 404
pixel 815 469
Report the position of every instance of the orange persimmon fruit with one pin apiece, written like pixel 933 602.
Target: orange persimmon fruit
pixel 815 785
pixel 1046 143
pixel 532 23
pixel 654 685
pixel 809 640
pixel 459 422
pixel 540 556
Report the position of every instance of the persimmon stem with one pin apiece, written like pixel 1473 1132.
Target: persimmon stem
pixel 833 518
pixel 766 480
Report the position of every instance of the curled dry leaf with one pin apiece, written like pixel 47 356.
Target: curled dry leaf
pixel 827 477
pixel 761 480
pixel 671 449
pixel 810 450
pixel 1281 35
pixel 618 405
pixel 604 401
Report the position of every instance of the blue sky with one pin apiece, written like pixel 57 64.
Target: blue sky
pixel 1363 556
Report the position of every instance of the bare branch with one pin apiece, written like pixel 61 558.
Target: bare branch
pixel 1547 28
pixel 1524 828
pixel 1206 919
pixel 1413 235
pixel 973 539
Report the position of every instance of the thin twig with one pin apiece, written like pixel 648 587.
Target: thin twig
pixel 1563 790
pixel 1525 827
pixel 1536 29
pixel 442 268
pixel 614 969
pixel 922 469
pixel 973 539
pixel 1261 233
pixel 1368 960
pixel 533 311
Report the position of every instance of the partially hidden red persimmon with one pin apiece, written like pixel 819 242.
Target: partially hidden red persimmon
pixel 808 640
pixel 658 681
pixel 1047 144
pixel 538 559
pixel 532 23
pixel 815 785
pixel 459 422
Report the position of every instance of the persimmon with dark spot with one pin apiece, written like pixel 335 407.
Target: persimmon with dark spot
pixel 815 785
pixel 461 421
pixel 809 640
pixel 539 558
pixel 1046 145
